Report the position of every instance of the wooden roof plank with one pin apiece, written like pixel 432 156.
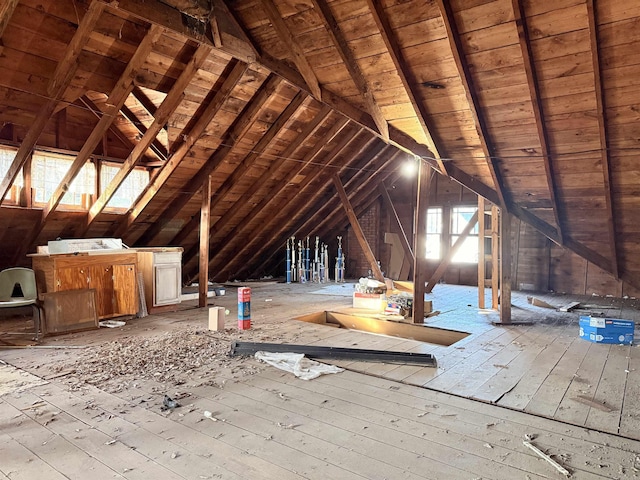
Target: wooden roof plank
pixel 190 138
pixel 6 11
pixel 406 77
pixel 453 37
pixel 351 64
pixel 296 53
pixel 538 110
pixel 604 137
pixel 164 111
pixel 158 150
pixel 56 87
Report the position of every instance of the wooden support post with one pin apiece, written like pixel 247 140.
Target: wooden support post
pixel 386 198
pixel 495 255
pixel 425 174
pixel 505 267
pixel 481 253
pixel 353 220
pixel 437 275
pixel 205 220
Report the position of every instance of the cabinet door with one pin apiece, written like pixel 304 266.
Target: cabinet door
pixel 167 284
pixel 101 278
pixel 71 278
pixel 125 289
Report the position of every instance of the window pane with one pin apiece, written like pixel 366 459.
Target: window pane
pixel 6 159
pixel 460 216
pixel 468 252
pixel 434 231
pixel 129 189
pixel 47 172
pixel 433 246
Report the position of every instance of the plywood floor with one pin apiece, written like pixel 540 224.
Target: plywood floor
pixel 578 400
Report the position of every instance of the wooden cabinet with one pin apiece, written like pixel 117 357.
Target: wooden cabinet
pixel 111 275
pixel 162 274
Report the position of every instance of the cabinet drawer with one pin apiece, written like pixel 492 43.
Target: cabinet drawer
pixel 166 257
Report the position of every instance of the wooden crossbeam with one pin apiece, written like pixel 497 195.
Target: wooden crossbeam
pixel 406 77
pixel 538 109
pixel 93 108
pixel 393 213
pixel 455 44
pixel 234 134
pixel 357 229
pixel 295 51
pixel 446 261
pixel 164 111
pixel 351 64
pixel 56 88
pixel 248 161
pixel 604 137
pixel 260 182
pixel 285 206
pixel 190 137
pixel 157 148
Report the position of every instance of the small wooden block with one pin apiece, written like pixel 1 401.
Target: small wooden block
pixel 216 319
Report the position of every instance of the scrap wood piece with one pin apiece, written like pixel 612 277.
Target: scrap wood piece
pixel 569 306
pixel 536 302
pixel 546 457
pixel 592 403
pixel 336 353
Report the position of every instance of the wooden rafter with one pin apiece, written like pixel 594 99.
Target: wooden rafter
pixel 276 191
pixel 455 43
pixel 55 88
pixel 406 77
pixel 297 55
pixel 226 21
pixel 260 182
pixel 248 161
pixel 538 110
pixel 157 148
pixel 234 134
pixel 357 229
pixel 114 102
pixel 602 131
pixel 93 108
pixel 190 137
pixel 164 111
pixel 351 64
pixel 281 203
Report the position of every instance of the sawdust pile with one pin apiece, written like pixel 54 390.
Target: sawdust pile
pixel 172 357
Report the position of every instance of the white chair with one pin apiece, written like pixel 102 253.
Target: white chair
pixel 25 278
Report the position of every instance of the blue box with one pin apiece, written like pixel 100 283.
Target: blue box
pixel 607 330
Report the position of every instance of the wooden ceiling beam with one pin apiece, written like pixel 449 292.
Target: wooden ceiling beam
pixel 604 136
pixel 56 87
pixel 260 182
pixel 234 134
pixel 295 51
pixel 6 11
pixel 457 50
pixel 200 122
pixel 164 111
pixel 157 148
pixel 280 203
pixel 351 64
pixel 406 77
pixel 538 110
pixel 240 169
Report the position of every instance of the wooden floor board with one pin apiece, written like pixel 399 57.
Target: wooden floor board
pixel 630 418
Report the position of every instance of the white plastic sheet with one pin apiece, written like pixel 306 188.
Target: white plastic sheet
pixel 297 364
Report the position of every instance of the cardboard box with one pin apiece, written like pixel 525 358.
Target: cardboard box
pixel 607 330
pixel 370 301
pixel 216 318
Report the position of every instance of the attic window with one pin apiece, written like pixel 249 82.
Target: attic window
pixel 48 171
pixel 6 159
pixel 129 190
pixel 460 217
